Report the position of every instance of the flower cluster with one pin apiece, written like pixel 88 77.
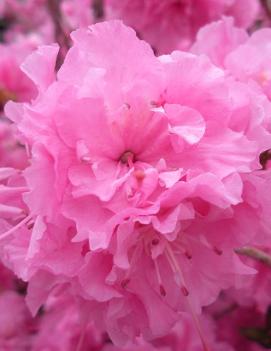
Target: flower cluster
pixel 135 188
pixel 172 24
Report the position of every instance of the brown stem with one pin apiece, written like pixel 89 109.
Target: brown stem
pixel 98 9
pixel 255 254
pixel 61 35
pixel 266 4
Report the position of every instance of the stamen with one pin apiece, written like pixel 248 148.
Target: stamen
pixel 175 265
pixel 13 229
pixel 81 339
pixel 30 225
pixel 128 158
pixel 184 291
pixel 219 252
pixel 205 242
pixel 155 241
pixel 139 174
pixel 199 328
pixel 162 290
pixel 188 255
pixel 126 279
pixel 161 287
pixel 181 248
pixel 170 262
pixel 209 246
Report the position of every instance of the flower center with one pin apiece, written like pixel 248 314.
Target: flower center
pixel 127 158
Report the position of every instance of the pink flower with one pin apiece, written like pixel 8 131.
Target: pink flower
pixel 243 328
pixel 138 190
pixel 6 278
pixel 17 327
pixel 182 337
pixel 77 14
pixel 169 25
pixel 45 21
pixel 12 153
pixel 244 57
pixel 12 186
pixel 14 84
pixel 254 291
pixel 28 17
pixel 15 323
pixel 62 329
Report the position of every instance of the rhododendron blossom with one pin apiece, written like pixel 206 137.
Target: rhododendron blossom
pixel 182 337
pixel 143 179
pixel 77 14
pixel 27 17
pixel 12 153
pixel 15 322
pixel 44 21
pixel 14 84
pixel 6 278
pixel 60 328
pixel 243 328
pixel 246 58
pixel 171 24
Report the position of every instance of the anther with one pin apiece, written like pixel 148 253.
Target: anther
pixel 162 290
pixel 218 251
pixel 155 241
pixel 184 291
pixel 30 226
pixel 127 158
pixel 139 174
pixel 188 255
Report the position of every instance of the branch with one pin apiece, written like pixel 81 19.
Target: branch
pixel 98 9
pixel 266 4
pixel 61 35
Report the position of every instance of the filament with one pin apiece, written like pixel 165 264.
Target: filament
pixel 13 229
pixel 158 274
pixel 176 268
